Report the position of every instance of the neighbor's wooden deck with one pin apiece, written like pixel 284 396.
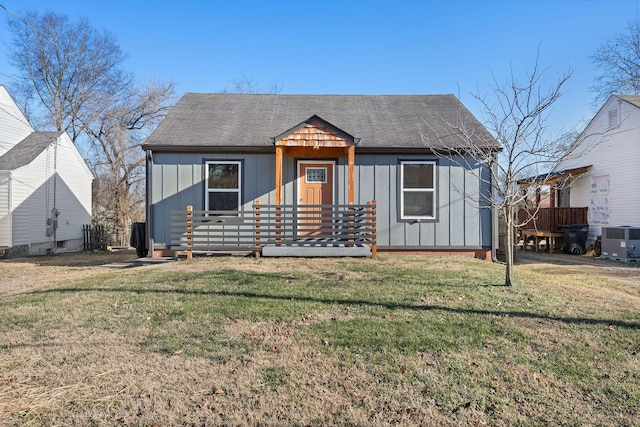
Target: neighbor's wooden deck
pixel 543 224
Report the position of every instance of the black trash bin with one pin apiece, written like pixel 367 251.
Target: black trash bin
pixel 138 238
pixel 575 238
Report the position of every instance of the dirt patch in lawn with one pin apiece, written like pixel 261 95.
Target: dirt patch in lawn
pixel 74 259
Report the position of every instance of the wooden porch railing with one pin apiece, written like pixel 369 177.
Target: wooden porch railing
pixel 279 225
pixel 548 219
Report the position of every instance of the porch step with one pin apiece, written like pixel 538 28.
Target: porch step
pixel 316 251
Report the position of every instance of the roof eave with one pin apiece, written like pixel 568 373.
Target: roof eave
pixel 551 178
pixel 364 149
pixel 208 148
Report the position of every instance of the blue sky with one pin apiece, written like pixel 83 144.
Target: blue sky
pixel 355 47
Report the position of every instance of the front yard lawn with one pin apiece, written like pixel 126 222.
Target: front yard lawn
pixel 409 340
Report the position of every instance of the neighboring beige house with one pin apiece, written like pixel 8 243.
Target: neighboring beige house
pixel 45 187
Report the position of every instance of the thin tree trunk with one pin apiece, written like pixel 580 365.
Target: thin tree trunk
pixel 509 249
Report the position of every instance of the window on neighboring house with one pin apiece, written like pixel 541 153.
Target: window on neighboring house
pixel 563 194
pixel 613 118
pixel 417 190
pixel 223 185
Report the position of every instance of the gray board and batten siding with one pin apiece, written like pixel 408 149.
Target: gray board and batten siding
pixel 388 129
pixel 179 181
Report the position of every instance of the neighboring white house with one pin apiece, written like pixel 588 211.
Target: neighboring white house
pixel 45 187
pixel 607 157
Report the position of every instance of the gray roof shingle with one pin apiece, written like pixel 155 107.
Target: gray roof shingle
pixel 631 99
pixel 201 120
pixel 27 150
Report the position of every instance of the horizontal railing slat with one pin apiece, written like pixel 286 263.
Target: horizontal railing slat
pixel 275 224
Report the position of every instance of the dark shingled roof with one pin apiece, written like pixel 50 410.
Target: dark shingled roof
pixel 201 120
pixel 631 99
pixel 27 150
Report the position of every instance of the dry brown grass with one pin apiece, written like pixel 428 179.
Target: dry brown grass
pixel 24 274
pixel 76 353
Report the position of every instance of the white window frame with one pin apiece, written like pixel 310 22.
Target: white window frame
pixel 403 190
pixel 209 190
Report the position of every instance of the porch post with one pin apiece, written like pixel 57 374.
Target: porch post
pixel 351 153
pixel 279 154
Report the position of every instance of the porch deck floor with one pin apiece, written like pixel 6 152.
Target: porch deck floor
pixel 330 250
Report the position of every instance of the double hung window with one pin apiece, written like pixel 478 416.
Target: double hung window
pixel 224 190
pixel 417 190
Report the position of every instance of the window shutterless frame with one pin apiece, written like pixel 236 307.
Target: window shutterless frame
pixel 417 190
pixel 223 185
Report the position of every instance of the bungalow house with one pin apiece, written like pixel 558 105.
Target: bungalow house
pixel 45 187
pixel 318 175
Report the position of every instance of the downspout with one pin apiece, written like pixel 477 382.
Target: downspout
pixel 149 211
pixel 10 208
pixel 54 211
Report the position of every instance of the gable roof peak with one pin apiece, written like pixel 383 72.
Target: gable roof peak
pixel 314 129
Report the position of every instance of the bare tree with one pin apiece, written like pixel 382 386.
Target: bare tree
pixel 516 116
pixel 65 67
pixel 244 84
pixel 117 133
pixel 75 72
pixel 619 61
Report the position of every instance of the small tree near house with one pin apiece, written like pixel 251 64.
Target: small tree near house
pixel 515 114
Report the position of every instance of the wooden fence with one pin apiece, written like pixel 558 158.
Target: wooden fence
pixel 94 237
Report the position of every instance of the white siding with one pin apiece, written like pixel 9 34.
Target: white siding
pixel 5 209
pixel 39 187
pixel 613 152
pixel 14 126
pixel 30 194
pixel 73 191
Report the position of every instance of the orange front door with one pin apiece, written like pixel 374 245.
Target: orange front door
pixel 315 188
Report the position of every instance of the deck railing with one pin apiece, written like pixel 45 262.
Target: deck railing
pixel 279 225
pixel 548 219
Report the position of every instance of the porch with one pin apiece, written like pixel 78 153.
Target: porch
pixel 279 230
pixel 543 224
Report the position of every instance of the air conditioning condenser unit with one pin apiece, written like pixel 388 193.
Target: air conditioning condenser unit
pixel 621 243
